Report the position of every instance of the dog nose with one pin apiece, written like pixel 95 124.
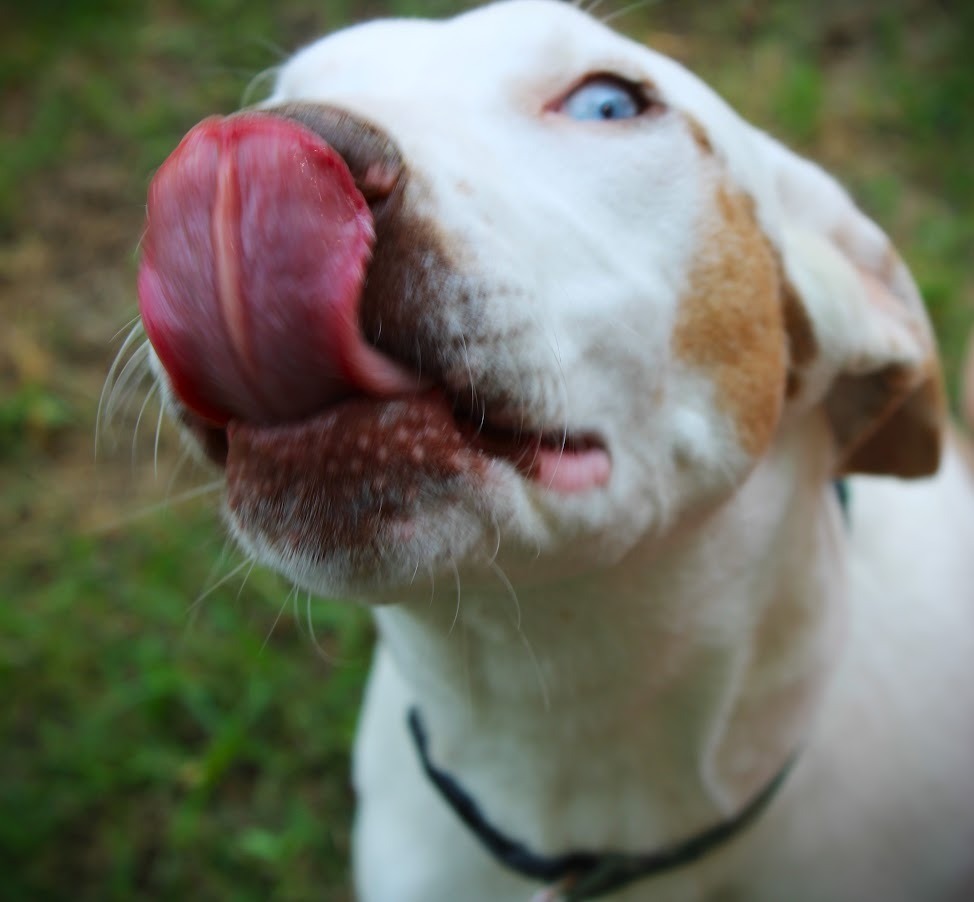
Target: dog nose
pixel 372 157
pixel 258 235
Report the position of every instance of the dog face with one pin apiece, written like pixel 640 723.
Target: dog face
pixel 593 298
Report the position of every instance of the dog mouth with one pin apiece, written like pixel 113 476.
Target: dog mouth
pixel 368 478
pixel 260 239
pixel 375 440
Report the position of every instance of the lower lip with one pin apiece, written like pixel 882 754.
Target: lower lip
pixel 564 470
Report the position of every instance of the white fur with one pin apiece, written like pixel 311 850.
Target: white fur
pixel 591 665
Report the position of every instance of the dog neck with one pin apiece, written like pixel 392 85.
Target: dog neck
pixel 669 687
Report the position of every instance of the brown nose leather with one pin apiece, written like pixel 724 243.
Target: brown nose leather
pixel 372 157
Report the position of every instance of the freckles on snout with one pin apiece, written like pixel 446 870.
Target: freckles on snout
pixel 336 479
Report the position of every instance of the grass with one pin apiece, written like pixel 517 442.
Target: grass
pixel 153 754
pixel 160 749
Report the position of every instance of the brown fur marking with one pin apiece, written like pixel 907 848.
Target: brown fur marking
pixel 731 324
pixel 699 135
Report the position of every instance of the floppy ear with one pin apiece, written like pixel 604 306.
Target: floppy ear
pixel 861 343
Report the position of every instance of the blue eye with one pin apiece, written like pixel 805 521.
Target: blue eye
pixel 603 99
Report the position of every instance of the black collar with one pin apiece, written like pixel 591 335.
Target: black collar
pixel 584 875
pixel 844 494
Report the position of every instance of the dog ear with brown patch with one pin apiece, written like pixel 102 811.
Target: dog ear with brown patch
pixel 861 344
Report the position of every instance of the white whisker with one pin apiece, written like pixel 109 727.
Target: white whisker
pixel 150 509
pixel 456 613
pixel 189 494
pixel 497 543
pixel 511 591
pixel 432 576
pixel 130 370
pixel 277 619
pixel 138 420
pixel 133 325
pixel 184 455
pixel 564 406
pixel 256 84
pixel 215 568
pixel 243 582
pixel 293 595
pixel 101 414
pixel 282 53
pixel 473 386
pixel 625 10
pixel 203 595
pixel 522 636
pixel 220 560
pixel 134 371
pixel 155 444
pixel 542 683
pixel 319 648
pixel 137 252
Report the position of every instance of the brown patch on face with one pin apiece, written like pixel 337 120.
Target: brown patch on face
pixel 699 135
pixel 731 323
pixel 802 345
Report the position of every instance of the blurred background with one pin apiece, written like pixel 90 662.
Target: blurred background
pixel 175 724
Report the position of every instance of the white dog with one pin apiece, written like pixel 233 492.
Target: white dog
pixel 637 419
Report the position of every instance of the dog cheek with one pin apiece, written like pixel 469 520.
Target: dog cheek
pixel 730 325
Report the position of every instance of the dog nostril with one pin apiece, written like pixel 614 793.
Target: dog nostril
pixel 372 157
pixel 378 181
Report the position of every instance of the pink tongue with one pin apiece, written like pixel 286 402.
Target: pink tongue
pixel 252 269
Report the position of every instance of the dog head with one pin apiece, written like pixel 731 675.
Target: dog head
pixel 512 283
